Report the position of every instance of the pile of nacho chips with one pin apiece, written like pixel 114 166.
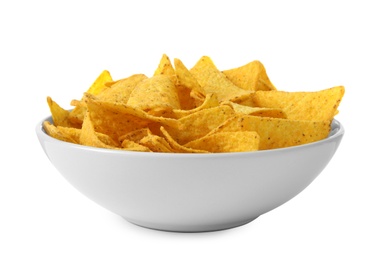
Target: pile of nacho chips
pixel 198 110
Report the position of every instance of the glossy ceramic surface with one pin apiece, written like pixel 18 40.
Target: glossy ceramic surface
pixel 190 192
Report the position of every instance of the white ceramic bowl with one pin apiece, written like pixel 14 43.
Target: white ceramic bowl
pixel 190 192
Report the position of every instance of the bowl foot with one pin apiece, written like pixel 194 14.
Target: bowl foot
pixel 190 228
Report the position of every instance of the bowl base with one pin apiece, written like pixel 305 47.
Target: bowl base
pixel 191 228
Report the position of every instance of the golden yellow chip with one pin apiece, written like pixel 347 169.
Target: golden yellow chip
pixel 156 144
pixel 251 76
pixel 198 124
pixel 131 140
pixel 227 142
pixel 89 136
pixel 319 105
pixel 209 102
pixel 245 100
pixel 176 146
pixel 100 83
pixel 277 132
pixel 136 135
pixel 165 68
pixel 155 95
pixel 256 111
pixel 190 93
pixel 77 114
pixel 55 132
pixel 214 81
pixel 133 146
pixel 60 116
pixel 185 78
pixel 187 99
pixel 116 120
pixel 120 91
pixel 71 132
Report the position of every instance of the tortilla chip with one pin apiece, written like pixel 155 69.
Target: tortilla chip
pixel 214 81
pixel 255 111
pixel 209 102
pixel 55 132
pixel 71 132
pixel 133 146
pixel 122 89
pixel 176 146
pixel 60 116
pixel 191 94
pixel 155 95
pixel 115 120
pixel 319 105
pixel 136 135
pixel 251 76
pixel 227 142
pixel 277 132
pixel 77 114
pixel 200 123
pixel 99 84
pixel 165 68
pixel 156 144
pixel 89 136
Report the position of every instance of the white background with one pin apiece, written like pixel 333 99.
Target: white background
pixel 58 48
